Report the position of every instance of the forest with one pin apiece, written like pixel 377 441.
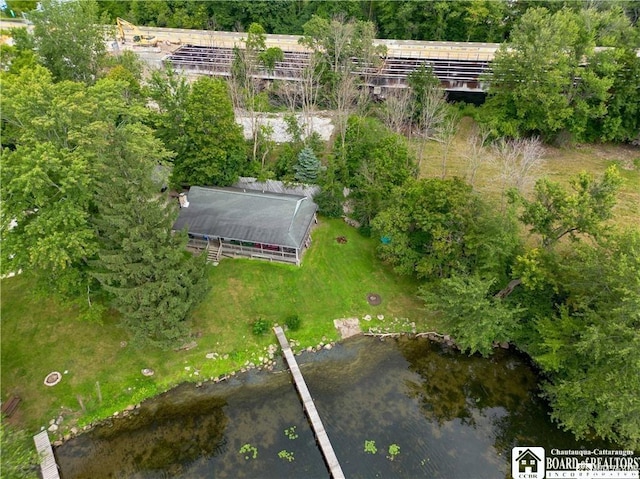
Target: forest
pixel 542 264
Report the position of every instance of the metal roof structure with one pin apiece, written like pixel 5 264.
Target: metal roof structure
pixel 250 216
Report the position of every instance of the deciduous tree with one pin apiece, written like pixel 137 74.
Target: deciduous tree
pixel 435 228
pixel 70 39
pixel 555 213
pixel 212 150
pixel 471 314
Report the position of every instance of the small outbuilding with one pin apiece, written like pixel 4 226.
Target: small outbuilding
pixel 233 222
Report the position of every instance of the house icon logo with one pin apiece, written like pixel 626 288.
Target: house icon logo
pixel 527 463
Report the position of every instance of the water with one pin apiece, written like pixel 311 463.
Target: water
pixel 452 416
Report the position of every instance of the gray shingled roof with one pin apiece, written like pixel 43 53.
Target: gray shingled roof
pixel 251 216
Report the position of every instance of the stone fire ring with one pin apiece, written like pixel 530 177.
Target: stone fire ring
pixel 52 378
pixel 374 299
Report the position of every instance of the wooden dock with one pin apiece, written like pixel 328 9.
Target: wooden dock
pixel 48 464
pixel 310 408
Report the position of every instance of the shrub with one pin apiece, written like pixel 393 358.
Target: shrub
pixel 260 326
pixel 329 202
pixel 293 322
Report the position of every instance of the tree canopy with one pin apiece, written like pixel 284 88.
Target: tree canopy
pixel 70 39
pixel 79 202
pixel 549 78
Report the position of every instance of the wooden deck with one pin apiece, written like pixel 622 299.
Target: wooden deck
pixel 321 435
pixel 48 464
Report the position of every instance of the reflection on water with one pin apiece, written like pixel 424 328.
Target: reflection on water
pixel 452 416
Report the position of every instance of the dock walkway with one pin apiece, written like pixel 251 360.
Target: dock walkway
pixel 48 464
pixel 321 435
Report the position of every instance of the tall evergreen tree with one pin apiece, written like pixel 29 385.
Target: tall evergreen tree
pixel 308 166
pixel 142 263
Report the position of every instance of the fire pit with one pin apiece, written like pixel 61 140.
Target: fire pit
pixel 52 378
pixel 374 299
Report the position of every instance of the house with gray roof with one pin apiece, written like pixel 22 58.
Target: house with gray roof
pixel 235 222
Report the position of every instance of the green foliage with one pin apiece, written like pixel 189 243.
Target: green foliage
pixel 286 455
pixel 293 322
pixel 591 346
pixel 534 87
pixel 555 213
pixel 370 447
pixel 141 262
pixel 471 314
pixel 376 161
pixel 329 202
pixel 435 228
pixel 19 459
pixel 57 135
pixel 290 432
pixel 211 150
pixel 21 54
pixel 394 450
pixel 422 80
pixel 249 451
pixel 70 39
pixel 170 91
pixel 308 166
pixel 260 326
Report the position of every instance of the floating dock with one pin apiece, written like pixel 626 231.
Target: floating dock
pixel 310 408
pixel 48 464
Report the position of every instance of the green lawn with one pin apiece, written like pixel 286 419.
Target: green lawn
pixel 40 336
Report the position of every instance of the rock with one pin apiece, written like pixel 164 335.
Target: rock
pixel 59 420
pixel 380 317
pixel 130 407
pixel 74 430
pixel 327 346
pixel 447 337
pixel 52 428
pixel 57 443
pixel 67 437
pixel 226 356
pixel 53 421
pixel 309 349
pixel 210 355
pixel 187 346
pixel 147 372
pixel 367 317
pixel 504 345
pixel 115 414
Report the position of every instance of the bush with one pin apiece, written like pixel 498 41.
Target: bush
pixel 329 203
pixel 260 326
pixel 293 322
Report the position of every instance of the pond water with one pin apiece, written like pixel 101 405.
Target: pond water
pixel 452 416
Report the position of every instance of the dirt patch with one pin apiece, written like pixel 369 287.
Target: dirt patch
pixel 341 239
pixel 347 327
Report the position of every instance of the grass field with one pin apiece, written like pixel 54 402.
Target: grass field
pixel 560 164
pixel 40 336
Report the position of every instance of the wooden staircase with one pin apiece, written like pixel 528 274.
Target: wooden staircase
pixel 214 251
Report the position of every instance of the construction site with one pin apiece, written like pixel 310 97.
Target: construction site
pixel 459 66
